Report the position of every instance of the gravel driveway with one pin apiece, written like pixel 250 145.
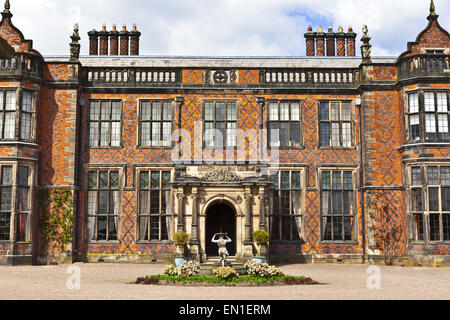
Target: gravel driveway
pixel 111 282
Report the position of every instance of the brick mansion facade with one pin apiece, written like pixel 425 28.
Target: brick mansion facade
pixel 311 149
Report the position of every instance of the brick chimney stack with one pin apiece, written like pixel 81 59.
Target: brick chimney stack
pixel 134 41
pixel 124 41
pixel 331 40
pixel 320 42
pixel 351 42
pixel 310 37
pixel 93 43
pixel 103 35
pixel 340 42
pixel 114 41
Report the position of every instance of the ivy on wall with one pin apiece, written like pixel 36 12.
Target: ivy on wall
pixel 57 217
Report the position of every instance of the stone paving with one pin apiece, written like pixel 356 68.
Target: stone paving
pixel 111 281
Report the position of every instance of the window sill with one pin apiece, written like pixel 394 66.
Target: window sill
pixel 155 242
pixel 153 148
pixel 340 242
pixel 103 242
pixel 287 242
pixel 337 148
pixel 287 148
pixel 105 148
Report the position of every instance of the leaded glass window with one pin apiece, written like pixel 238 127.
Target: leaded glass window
pixel 285 124
pixel 156 124
pixel 105 123
pixel 336 124
pixel 220 124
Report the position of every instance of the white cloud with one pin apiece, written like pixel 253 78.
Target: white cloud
pixel 223 27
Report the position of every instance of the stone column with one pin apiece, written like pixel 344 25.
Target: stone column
pixel 262 211
pixel 180 197
pixel 248 243
pixel 195 242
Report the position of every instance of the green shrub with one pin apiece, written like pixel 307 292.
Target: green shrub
pixel 225 273
pixel 260 237
pixel 181 238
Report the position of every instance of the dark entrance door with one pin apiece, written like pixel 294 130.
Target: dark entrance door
pixel 220 217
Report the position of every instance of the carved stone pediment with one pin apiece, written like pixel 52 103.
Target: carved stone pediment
pixel 222 176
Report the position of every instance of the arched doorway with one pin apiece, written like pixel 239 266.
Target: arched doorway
pixel 220 216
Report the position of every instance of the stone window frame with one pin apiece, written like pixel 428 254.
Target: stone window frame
pixel 353 204
pixel 340 122
pixel 422 114
pixel 278 145
pixel 424 214
pixel 15 211
pixel 85 183
pixel 19 114
pixel 169 216
pixel 140 122
pixel 99 121
pixel 293 223
pixel 236 121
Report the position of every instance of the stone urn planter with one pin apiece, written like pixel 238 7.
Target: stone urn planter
pixel 261 238
pixel 180 240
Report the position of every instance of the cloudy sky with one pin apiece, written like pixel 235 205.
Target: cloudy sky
pixel 224 27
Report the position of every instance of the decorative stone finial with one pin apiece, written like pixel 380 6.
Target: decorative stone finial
pixel 74 45
pixel 6 13
pixel 366 48
pixel 433 15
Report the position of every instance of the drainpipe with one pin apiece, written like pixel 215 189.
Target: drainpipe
pixel 78 176
pixel 358 102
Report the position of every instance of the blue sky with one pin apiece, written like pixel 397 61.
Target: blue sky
pixel 224 27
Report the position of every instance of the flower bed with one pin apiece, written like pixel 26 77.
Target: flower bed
pixel 259 274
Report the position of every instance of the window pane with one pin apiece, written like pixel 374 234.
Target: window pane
pixel 295 180
pixel 10 100
pixel 429 102
pixel 116 112
pixel 346 112
pixel 348 180
pixel 414 103
pixel 144 180
pixel 156 111
pixel 10 125
pixel 167 111
pixel 337 228
pixel 155 180
pixel 156 134
pixel 416 195
pixel 416 174
pixel 348 228
pixel 93 134
pixel 445 176
pixel 433 197
pixel 115 134
pixel 430 125
pixel 92 183
pixel 337 182
pixel 94 111
pixel 103 201
pixel 145 134
pixel 295 133
pixel 443 126
pixel 23 176
pixel 104 134
pixel 220 111
pixel 325 134
pixel 445 199
pixel 2 96
pixel 414 126
pixel 348 201
pixel 324 111
pixel 166 180
pixel 231 134
pixel 209 111
pixel 446 226
pixel 26 101
pixel 154 202
pixel 25 126
pixel 146 111
pixel 167 134
pixel 6 193
pixel 434 227
pixel 106 111
pixel 284 111
pixel 284 134
pixel 220 134
pixel 103 180
pixel 335 135
pixel 418 219
pixel 5 227
pixel 274 183
pixel 295 112
pixel 334 111
pixel 326 180
pixel 7 177
pixel 101 228
pixel 433 176
pixel 442 102
pixel 274 134
pixel 273 112
pixel 346 135
pixel 231 111
pixel 285 180
pixel 114 180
